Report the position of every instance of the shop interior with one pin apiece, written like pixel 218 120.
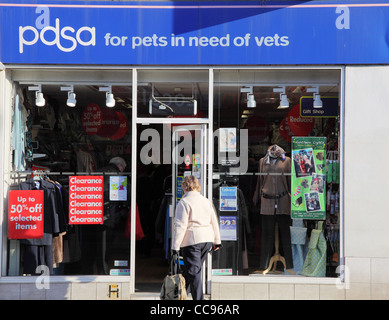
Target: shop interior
pixel 63 140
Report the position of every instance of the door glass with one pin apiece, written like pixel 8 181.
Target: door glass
pixel 189 145
pixel 188 156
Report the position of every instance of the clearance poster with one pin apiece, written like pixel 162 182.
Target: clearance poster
pixel 86 199
pixel 308 178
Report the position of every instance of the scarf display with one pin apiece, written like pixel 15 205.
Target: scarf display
pixel 274 152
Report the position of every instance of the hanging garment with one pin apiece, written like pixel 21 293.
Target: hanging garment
pixel 315 262
pixel 298 235
pixel 139 234
pixel 40 251
pixel 160 221
pixel 34 256
pixel 50 213
pixel 18 136
pixel 233 254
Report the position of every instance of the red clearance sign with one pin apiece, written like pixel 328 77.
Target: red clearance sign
pixel 25 214
pixel 86 199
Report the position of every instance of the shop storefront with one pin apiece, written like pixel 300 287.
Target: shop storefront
pixel 105 109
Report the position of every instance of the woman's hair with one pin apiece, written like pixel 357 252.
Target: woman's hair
pixel 117 161
pixel 191 184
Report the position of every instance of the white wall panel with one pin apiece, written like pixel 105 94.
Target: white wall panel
pixel 366 156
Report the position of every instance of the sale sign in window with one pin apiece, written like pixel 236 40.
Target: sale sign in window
pixel 86 199
pixel 25 214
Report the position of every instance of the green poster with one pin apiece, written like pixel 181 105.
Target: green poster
pixel 308 178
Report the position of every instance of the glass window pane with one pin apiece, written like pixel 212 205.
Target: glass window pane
pixel 168 93
pixel 78 150
pixel 261 189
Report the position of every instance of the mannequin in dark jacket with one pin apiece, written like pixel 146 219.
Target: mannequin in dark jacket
pixel 273 190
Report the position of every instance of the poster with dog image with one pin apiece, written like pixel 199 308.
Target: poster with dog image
pixel 308 178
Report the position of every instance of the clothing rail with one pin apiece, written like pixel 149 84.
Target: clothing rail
pixel 19 175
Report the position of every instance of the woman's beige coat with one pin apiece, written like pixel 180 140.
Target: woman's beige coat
pixel 195 221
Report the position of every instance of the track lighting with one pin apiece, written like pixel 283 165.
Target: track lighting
pixel 317 103
pixel 71 101
pixel 109 98
pixel 110 101
pixel 251 103
pixel 284 102
pixel 39 99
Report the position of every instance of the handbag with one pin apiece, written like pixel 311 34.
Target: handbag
pixel 315 262
pixel 298 232
pixel 174 286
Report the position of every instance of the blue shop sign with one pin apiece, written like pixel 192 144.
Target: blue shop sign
pixel 194 33
pixel 328 110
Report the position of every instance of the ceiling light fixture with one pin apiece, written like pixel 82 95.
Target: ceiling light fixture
pixel 109 98
pixel 317 103
pixel 251 103
pixel 71 101
pixel 39 99
pixel 284 102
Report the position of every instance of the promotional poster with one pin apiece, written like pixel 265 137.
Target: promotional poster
pixel 308 178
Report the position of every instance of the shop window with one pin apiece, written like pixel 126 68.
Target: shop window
pixel 279 214
pixel 77 148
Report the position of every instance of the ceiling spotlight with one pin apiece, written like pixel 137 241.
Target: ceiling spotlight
pixel 251 103
pixel 39 99
pixel 71 101
pixel 317 103
pixel 284 102
pixel 109 99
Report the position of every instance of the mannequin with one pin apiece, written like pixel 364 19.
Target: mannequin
pixel 273 190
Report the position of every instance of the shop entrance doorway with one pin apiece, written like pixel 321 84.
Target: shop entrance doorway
pixel 158 191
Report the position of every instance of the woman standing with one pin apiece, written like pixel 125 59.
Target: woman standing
pixel 196 231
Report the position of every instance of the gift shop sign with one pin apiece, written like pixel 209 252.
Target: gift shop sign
pixel 329 109
pixel 86 199
pixel 25 214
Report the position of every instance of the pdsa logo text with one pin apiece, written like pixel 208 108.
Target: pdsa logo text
pixel 66 38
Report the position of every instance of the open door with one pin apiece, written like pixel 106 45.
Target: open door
pixel 189 158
